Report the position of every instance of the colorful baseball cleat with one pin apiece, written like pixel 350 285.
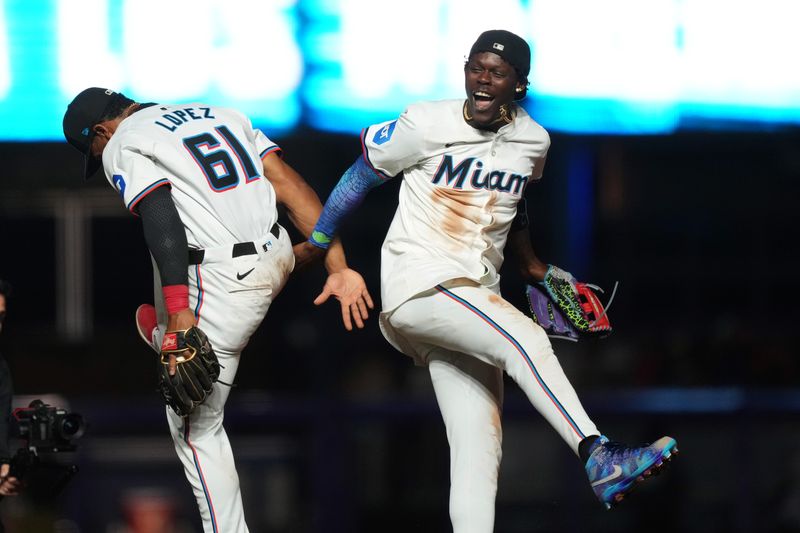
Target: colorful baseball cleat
pixel 147 324
pixel 614 469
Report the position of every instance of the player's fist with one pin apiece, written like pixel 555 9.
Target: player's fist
pixel 306 253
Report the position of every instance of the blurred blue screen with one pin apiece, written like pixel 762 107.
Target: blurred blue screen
pixel 617 66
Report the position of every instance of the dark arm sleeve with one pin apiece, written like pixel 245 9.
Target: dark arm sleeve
pixel 6 392
pixel 165 236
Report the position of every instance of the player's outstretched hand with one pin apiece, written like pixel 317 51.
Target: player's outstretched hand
pixel 349 288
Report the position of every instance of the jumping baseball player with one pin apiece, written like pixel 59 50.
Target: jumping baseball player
pixel 465 167
pixel 205 185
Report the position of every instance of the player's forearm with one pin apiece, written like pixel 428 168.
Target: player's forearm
pixel 165 236
pixel 303 209
pixel 530 266
pixel 302 204
pixel 345 198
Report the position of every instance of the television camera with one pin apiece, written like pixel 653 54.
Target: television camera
pixel 44 431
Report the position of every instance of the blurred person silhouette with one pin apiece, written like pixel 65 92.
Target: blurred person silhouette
pixel 9 485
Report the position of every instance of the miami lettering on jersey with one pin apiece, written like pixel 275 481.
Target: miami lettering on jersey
pixel 455 176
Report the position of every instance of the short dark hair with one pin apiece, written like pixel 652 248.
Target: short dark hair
pixel 5 288
pixel 115 107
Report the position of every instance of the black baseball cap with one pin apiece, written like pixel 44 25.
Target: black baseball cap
pixel 82 114
pixel 510 46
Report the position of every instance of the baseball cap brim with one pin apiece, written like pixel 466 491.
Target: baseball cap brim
pixel 93 164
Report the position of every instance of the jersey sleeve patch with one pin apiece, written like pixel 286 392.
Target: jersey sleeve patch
pixel 384 134
pixel 367 160
pixel 119 184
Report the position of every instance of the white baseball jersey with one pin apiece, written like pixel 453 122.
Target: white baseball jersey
pixel 211 156
pixel 440 287
pixel 459 194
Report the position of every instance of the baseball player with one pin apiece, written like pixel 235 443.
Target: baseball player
pixel 205 184
pixel 465 165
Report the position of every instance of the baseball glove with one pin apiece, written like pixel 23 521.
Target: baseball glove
pixel 196 370
pixel 566 308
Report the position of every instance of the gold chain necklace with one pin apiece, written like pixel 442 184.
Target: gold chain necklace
pixel 506 114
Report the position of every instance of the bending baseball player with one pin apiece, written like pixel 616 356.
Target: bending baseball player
pixel 206 185
pixel 465 165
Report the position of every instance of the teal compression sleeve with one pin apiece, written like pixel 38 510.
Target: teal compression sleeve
pixel 348 194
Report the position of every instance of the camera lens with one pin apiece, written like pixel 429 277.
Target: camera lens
pixel 72 426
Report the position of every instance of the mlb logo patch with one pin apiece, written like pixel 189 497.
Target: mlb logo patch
pixel 267 246
pixel 385 133
pixel 498 46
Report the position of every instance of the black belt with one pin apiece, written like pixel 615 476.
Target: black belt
pixel 239 249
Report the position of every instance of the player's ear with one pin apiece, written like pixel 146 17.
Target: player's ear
pixel 521 89
pixel 100 130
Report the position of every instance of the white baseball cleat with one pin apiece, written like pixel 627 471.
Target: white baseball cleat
pixel 147 325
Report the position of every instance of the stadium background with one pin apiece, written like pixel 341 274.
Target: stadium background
pixel 685 196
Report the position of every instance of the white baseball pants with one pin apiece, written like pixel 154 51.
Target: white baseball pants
pixel 230 297
pixel 468 335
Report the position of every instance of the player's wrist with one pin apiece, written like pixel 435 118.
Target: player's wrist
pixel 320 239
pixel 335 259
pixel 181 320
pixel 176 298
pixel 535 270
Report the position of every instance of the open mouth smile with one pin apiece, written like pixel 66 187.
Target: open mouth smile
pixel 483 100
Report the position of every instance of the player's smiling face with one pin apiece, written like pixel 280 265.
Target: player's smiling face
pixel 490 83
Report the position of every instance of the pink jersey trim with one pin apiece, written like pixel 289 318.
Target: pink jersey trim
pixel 272 149
pixel 139 197
pixel 201 294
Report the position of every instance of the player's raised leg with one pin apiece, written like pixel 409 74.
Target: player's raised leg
pixel 495 330
pixel 470 395
pixel 202 446
pixel 470 319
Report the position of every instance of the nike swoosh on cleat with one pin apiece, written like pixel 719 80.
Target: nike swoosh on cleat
pixel 242 276
pixel 617 473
